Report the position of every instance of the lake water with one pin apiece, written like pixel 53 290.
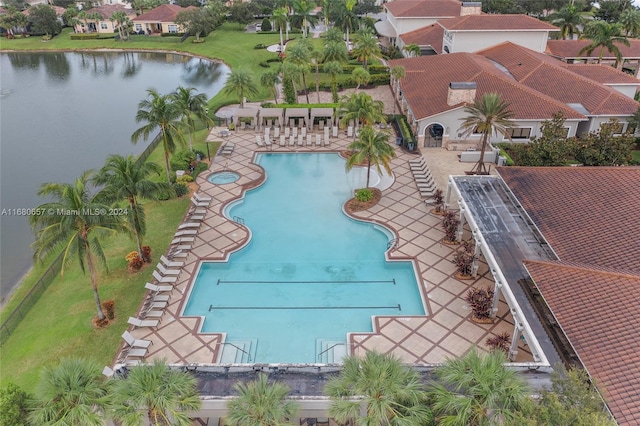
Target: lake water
pixel 63 113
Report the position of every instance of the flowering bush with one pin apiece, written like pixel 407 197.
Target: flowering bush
pixel 109 309
pixel 146 254
pixel 135 261
pixel 481 302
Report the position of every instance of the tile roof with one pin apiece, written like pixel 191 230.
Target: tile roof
pixel 106 10
pixel 549 76
pixel 592 217
pixel 604 74
pixel 571 49
pixel 495 22
pixel 162 13
pixel 427 36
pixel 598 311
pixel 427 82
pixel 423 8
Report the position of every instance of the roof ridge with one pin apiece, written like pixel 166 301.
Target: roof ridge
pixel 587 267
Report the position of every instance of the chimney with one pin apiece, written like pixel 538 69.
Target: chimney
pixel 471 8
pixel 461 92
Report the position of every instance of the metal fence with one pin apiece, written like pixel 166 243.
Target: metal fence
pixel 9 325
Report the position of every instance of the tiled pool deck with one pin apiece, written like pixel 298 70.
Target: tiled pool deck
pixel 446 330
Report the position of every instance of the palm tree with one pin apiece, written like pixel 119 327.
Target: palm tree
pixel 570 20
pixel 72 393
pixel 360 76
pixel 361 108
pixel 75 221
pixel 191 106
pixel 372 148
pixel 241 83
pixel 347 19
pixel 299 55
pixel 487 116
pixel 161 394
pixel 366 46
pixel 261 404
pixel 333 68
pixel 412 49
pixel 160 112
pixel 630 21
pixel 333 35
pixel 398 72
pixel 124 178
pixel 335 52
pixel 604 35
pixel 291 72
pixel 281 18
pixel 122 22
pixel 269 80
pixel 388 392
pixel 304 13
pixel 477 390
pixel 317 57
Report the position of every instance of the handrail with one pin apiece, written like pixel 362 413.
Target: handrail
pixel 330 347
pixel 237 347
pixel 392 243
pixel 238 219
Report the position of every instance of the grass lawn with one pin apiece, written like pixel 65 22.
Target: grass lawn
pixel 636 156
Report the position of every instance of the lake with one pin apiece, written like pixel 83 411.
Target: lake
pixel 63 113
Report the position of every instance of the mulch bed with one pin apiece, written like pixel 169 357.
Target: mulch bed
pixel 354 206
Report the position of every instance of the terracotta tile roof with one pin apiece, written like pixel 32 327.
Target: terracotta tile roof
pixel 495 22
pixel 548 75
pixel 427 82
pixel 592 217
pixel 427 36
pixel 423 8
pixel 604 74
pixel 163 13
pixel 570 49
pixel 107 10
pixel 598 311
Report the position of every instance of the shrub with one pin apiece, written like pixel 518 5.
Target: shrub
pixel 264 64
pixel 180 189
pixel 500 342
pixel 289 93
pixel 83 36
pixel 464 259
pixel 274 60
pixel 364 194
pixel 450 224
pixel 109 309
pixel 199 168
pixel 481 302
pixel 135 261
pixel 146 254
pixel 184 179
pixel 266 25
pixel 13 405
pixel 259 46
pixel 438 200
pixel 182 160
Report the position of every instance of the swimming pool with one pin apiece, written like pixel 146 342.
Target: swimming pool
pixel 309 275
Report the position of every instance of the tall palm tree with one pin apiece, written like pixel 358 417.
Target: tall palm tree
pixel 261 403
pixel 412 49
pixel 477 390
pixel 281 18
pixel 604 35
pixel 371 147
pixel 317 57
pixel 630 21
pixel 334 69
pixel 569 19
pixel 398 72
pixel 388 392
pixel 123 23
pixel 162 395
pixel 361 108
pixel 335 51
pixel 333 35
pixel 160 112
pixel 291 72
pixel 74 220
pixel 488 115
pixel 269 80
pixel 124 178
pixel 304 13
pixel 360 76
pixel 72 393
pixel 192 106
pixel 241 82
pixel 366 46
pixel 347 20
pixel 299 55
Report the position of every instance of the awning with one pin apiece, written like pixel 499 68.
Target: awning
pixel 385 29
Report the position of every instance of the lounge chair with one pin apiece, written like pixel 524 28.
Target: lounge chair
pixel 304 132
pixel 136 322
pixel 199 203
pixel 268 143
pixel 287 132
pixel 292 140
pixel 135 343
pixel 326 139
pixel 309 140
pixel 153 314
pixel 162 279
pixel 186 232
pixel 295 132
pixel 164 271
pixel 199 210
pixel 197 217
pixel 259 140
pixel 190 225
pixel 227 148
pixel 334 131
pixel 350 131
pixel 417 160
pixel 136 353
pixel 426 186
pixel 155 305
pixel 283 140
pixel 300 140
pixel 320 124
pixel 158 288
pixel 180 240
pixel 276 132
pixel 107 371
pixel 318 140
pixel 180 253
pixel 202 198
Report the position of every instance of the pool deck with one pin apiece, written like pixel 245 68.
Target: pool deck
pixel 445 331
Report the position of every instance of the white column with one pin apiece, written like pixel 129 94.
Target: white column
pixel 497 291
pixel 463 220
pixel 517 332
pixel 447 197
pixel 476 255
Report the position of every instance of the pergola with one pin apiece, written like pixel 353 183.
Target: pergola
pixel 245 113
pixel 322 113
pixel 506 236
pixel 271 113
pixel 297 113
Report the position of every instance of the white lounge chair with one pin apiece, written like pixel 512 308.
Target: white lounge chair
pixel 334 131
pixel 153 314
pixel 295 132
pixel 186 232
pixel 417 161
pixel 318 140
pixel 155 305
pixel 135 343
pixel 287 132
pixel 350 131
pixel 276 132
pixel 282 140
pixel 292 140
pixel 202 198
pixel 181 240
pixel 157 298
pixel 197 217
pixel 326 139
pixel 162 279
pixel 190 225
pixel 158 288
pixel 304 132
pixel 300 140
pixel 321 124
pixel 268 143
pixel 136 353
pixel 164 271
pixel 199 203
pixel 136 322
pixel 259 140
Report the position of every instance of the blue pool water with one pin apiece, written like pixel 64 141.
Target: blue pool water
pixel 309 274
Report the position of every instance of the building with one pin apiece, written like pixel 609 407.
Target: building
pixel 103 25
pixel 161 20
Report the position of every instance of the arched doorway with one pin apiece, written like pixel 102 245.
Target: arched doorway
pixel 433 135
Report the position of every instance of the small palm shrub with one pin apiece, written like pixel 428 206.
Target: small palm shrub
pixel 364 194
pixel 501 342
pixel 438 200
pixel 180 189
pixel 480 301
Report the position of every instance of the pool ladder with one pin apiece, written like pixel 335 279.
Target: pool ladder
pixel 238 219
pixel 393 243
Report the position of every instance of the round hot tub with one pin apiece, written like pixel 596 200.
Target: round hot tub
pixel 222 178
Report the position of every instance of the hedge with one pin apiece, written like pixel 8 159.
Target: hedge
pixel 83 36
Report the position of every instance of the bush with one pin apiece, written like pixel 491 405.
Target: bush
pixel 500 342
pixel 266 25
pixel 83 36
pixel 450 224
pixel 364 194
pixel 199 168
pixel 264 65
pixel 199 153
pixel 183 160
pixel 464 259
pixel 109 309
pixel 184 179
pixel 274 60
pixel 259 46
pixel 135 261
pixel 13 405
pixel 481 302
pixel 146 254
pixel 180 189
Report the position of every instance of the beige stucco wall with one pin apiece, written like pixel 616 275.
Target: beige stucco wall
pixel 472 41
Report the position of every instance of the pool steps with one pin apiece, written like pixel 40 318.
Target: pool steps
pixel 330 351
pixel 232 353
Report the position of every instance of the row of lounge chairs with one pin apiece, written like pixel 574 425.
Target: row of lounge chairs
pixel 422 176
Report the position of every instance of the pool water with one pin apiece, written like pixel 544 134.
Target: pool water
pixel 310 274
pixel 222 178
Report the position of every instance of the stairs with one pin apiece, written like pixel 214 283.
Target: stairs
pixel 241 351
pixel 330 351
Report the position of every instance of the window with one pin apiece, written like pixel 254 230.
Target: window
pixel 566 132
pixel 138 28
pixel 103 25
pixel 519 132
pixel 618 129
pixel 173 28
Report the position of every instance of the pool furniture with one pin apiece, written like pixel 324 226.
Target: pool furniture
pixel 326 139
pixel 170 264
pixel 136 322
pixel 259 140
pixel 160 267
pixel 318 140
pixel 292 140
pixel 282 140
pixel 155 305
pixel 107 371
pixel 268 143
pixel 309 140
pixel 158 288
pixel 295 132
pixel 320 124
pixel 304 132
pixel 186 232
pixel 152 314
pixel 300 140
pixel 287 132
pixel 334 131
pixel 136 353
pixel 190 225
pixel 199 203
pixel 162 279
pixel 224 133
pixel 135 343
pixel 276 132
pixel 350 131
